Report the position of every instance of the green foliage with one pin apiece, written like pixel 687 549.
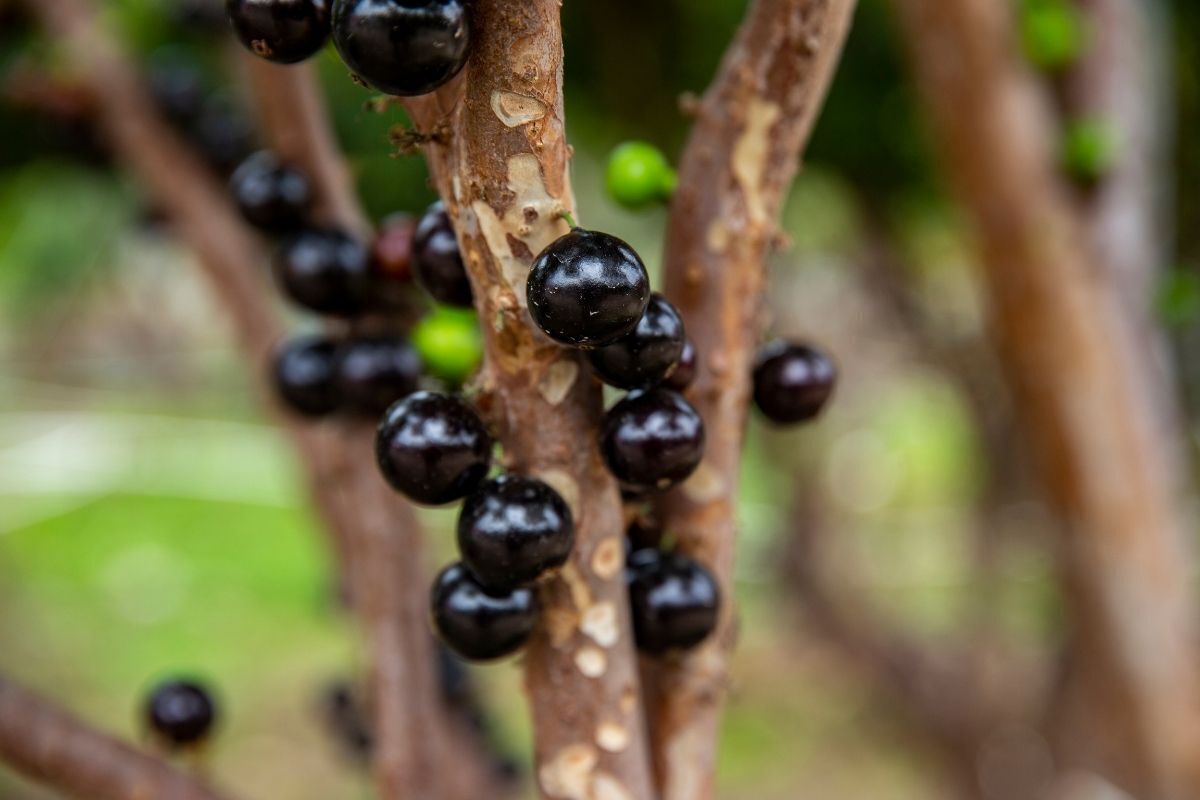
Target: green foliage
pixel 639 175
pixel 1053 33
pixel 450 343
pixel 1089 149
pixel 1178 298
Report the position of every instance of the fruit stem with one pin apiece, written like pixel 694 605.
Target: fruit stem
pixel 564 214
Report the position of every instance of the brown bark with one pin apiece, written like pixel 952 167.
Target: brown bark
pixel 1070 362
pixel 48 745
pixel 745 149
pixel 501 164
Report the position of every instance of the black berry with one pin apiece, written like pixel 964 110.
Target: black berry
pixel 180 712
pixel 684 373
pixel 306 375
pixel 475 624
pixel 223 133
pixel 433 448
pixel 177 87
pixel 402 47
pixel 437 261
pixel 673 599
pixel 326 271
pixel 272 196
pixel 283 31
pixel 512 529
pixel 392 250
pixel 652 439
pixel 587 289
pixel 646 354
pixel 375 371
pixel 792 382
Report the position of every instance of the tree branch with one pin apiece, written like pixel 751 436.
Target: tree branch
pixel 753 124
pixel 47 744
pixel 1073 368
pixel 503 171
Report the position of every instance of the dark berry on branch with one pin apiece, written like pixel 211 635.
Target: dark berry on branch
pixel 476 624
pixel 645 355
pixel 792 382
pixel 326 271
pixel 652 439
pixel 437 261
pixel 402 47
pixel 305 375
pixel 512 529
pixel 433 448
pixel 684 373
pixel 587 289
pixel 673 599
pixel 271 195
pixel 373 372
pixel 283 31
pixel 180 713
pixel 392 250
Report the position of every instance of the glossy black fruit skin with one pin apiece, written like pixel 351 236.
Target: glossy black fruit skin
pixel 645 355
pixel 475 624
pixel 684 373
pixel 178 88
pixel 271 195
pixel 587 289
pixel 305 376
pixel 402 47
pixel 792 382
pixel 652 439
pixel 436 260
pixel 373 372
pixel 223 133
pixel 433 448
pixel 283 31
pixel 673 599
pixel 180 712
pixel 326 271
pixel 512 529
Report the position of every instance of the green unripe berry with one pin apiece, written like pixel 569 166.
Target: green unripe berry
pixel 1089 150
pixel 1178 298
pixel 1053 33
pixel 450 343
pixel 639 175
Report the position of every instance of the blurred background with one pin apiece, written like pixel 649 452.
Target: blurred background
pixel 153 524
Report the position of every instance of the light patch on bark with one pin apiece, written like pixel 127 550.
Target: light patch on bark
pixel 612 736
pixel 557 382
pixel 566 486
pixel 591 661
pixel 599 623
pixel 705 484
pixel 717 236
pixel 608 557
pixel 751 156
pixel 685 752
pixel 569 773
pixel 606 787
pixel 515 109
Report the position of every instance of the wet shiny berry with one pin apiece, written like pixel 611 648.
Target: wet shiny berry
pixel 437 261
pixel 587 289
pixel 271 195
pixel 475 624
pixel 373 372
pixel 684 373
pixel 283 31
pixel 433 448
pixel 652 439
pixel 324 270
pixel 674 601
pixel 792 382
pixel 180 712
pixel 223 133
pixel 305 375
pixel 645 355
pixel 512 529
pixel 402 47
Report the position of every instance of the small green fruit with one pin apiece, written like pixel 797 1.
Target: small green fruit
pixel 450 343
pixel 1053 33
pixel 1089 150
pixel 639 175
pixel 1178 298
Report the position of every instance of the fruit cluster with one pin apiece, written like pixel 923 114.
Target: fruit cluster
pixel 399 47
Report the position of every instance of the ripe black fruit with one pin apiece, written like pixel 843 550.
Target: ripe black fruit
pixel 684 373
pixel 324 270
pixel 478 625
pixel 587 289
pixel 305 375
pixel 180 712
pixel 433 448
pixel 437 261
pixel 673 599
pixel 223 133
pixel 375 371
pixel 645 355
pixel 177 87
pixel 272 196
pixel 792 382
pixel 652 439
pixel 402 47
pixel 283 31
pixel 512 529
